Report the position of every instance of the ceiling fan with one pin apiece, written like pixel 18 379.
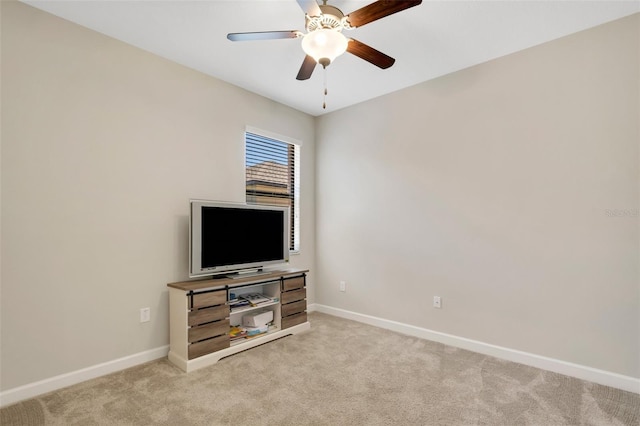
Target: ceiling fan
pixel 324 41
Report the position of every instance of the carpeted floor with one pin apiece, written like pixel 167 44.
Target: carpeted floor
pixel 339 373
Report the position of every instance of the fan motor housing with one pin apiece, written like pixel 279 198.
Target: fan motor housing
pixel 331 18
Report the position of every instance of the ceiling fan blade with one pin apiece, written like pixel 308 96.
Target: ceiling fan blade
pixel 310 7
pixel 308 65
pixel 263 35
pixel 379 9
pixel 369 54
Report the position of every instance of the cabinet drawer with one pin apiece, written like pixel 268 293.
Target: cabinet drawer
pixel 292 296
pixel 292 283
pixel 292 320
pixel 213 329
pixel 211 298
pixel 208 346
pixel 207 315
pixel 294 308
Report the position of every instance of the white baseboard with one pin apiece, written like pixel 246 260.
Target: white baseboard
pixel 31 390
pixel 614 380
pixel 602 377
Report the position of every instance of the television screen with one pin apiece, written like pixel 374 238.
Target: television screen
pixel 231 237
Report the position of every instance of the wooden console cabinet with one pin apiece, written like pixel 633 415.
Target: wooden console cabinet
pixel 200 316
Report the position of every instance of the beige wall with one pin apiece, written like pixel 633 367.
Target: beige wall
pixel 102 147
pixel 490 188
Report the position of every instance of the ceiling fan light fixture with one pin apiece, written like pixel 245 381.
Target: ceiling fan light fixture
pixel 324 45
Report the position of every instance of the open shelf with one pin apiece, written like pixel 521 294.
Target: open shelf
pixel 272 329
pixel 252 308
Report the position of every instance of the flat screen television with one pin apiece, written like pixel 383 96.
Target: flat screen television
pixel 228 237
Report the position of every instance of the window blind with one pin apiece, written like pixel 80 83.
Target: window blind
pixel 272 177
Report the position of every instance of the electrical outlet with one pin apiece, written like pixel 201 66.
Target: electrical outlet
pixel 437 302
pixel 343 286
pixel 145 314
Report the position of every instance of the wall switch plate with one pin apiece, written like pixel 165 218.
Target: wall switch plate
pixel 437 302
pixel 343 286
pixel 145 314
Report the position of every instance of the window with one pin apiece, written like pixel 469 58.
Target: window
pixel 273 177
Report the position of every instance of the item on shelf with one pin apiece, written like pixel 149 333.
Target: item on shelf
pixel 238 303
pixel 253 331
pixel 257 318
pixel 256 298
pixel 237 332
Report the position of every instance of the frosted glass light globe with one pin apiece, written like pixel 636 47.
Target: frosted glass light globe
pixel 324 45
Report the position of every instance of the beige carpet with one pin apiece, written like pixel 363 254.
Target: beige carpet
pixel 339 373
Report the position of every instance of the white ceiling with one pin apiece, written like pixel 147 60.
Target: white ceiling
pixel 427 41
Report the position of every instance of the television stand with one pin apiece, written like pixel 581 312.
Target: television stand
pixel 201 317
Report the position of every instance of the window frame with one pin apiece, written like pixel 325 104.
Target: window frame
pixel 295 180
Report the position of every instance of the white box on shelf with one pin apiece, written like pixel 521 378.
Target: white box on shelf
pixel 257 318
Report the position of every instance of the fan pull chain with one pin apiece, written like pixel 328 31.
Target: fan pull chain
pixel 324 98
